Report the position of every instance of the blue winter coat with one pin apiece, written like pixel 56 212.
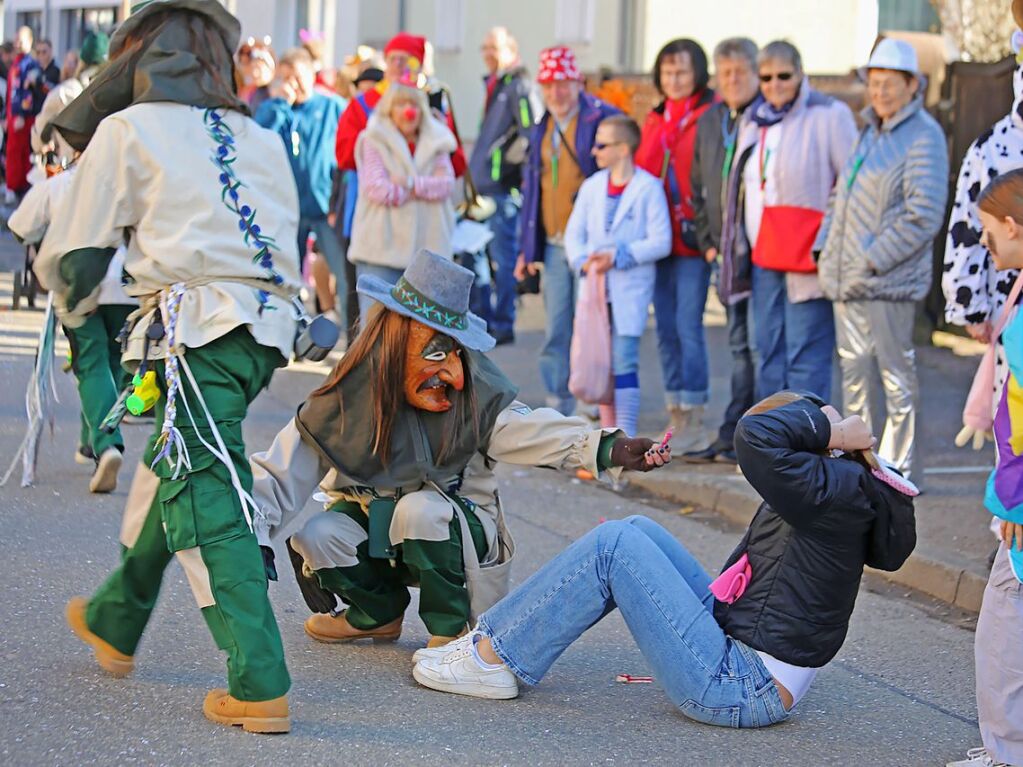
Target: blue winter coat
pixel 591 112
pixel 308 131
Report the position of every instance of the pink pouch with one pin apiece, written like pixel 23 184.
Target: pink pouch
pixel 590 378
pixel 979 411
pixel 732 583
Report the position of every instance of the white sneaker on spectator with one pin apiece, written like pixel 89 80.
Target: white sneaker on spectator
pixel 977 757
pixel 437 653
pixel 460 673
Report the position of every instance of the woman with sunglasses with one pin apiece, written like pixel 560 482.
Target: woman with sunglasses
pixel 792 145
pixel 666 151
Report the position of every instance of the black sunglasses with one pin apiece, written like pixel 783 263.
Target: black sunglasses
pixel 783 76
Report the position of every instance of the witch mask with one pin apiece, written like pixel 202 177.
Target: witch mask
pixel 433 368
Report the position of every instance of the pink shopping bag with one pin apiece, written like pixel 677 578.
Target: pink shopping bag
pixel 590 379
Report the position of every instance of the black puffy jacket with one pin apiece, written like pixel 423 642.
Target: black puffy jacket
pixel 822 520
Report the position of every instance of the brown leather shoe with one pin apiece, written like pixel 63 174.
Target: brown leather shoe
pixel 266 716
pixel 110 659
pixel 439 641
pixel 324 627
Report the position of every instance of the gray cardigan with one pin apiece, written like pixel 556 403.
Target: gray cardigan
pixel 888 205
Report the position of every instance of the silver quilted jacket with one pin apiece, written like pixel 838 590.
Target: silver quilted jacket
pixel 887 206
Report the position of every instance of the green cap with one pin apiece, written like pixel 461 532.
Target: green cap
pixel 95 47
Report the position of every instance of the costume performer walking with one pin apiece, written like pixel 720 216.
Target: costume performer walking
pixel 95 352
pixel 207 202
pixel 403 437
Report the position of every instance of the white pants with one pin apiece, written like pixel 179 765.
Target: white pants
pixel 875 343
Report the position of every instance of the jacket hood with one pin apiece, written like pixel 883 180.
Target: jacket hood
pixel 165 70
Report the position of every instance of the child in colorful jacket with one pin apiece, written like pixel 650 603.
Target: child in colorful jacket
pixel 1000 625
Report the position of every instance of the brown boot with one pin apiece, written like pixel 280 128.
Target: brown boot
pixel 324 627
pixel 110 659
pixel 439 641
pixel 264 716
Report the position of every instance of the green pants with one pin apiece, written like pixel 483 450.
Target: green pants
pixel 199 518
pixel 376 591
pixel 96 363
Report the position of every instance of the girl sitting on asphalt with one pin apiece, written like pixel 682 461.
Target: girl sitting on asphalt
pixel 784 599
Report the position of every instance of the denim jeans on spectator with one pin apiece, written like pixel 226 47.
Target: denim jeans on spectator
pixel 329 248
pixel 661 590
pixel 504 250
pixel 559 291
pixel 795 342
pixel 743 349
pixel 386 273
pixel 624 354
pixel 680 296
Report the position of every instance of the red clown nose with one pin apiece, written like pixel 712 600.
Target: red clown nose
pixel 410 113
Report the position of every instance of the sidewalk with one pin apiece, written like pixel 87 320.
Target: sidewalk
pixel 954 541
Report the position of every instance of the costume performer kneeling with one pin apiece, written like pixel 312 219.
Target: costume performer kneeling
pixel 207 202
pixel 403 438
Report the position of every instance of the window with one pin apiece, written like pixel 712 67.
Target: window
pixel 75 23
pixel 448 25
pixel 907 16
pixel 573 21
pixel 31 19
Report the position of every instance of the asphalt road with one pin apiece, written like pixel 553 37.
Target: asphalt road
pixel 901 691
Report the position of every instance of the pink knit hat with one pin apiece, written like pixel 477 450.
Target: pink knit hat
pixel 557 63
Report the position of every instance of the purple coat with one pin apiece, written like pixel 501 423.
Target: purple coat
pixel 591 112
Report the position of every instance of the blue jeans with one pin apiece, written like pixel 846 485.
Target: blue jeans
pixel 680 296
pixel 662 592
pixel 741 345
pixel 385 273
pixel 559 289
pixel 624 354
pixel 504 250
pixel 328 246
pixel 795 342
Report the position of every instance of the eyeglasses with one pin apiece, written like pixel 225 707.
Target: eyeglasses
pixel 783 76
pixel 601 147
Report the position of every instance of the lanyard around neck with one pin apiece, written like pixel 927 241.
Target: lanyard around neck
pixel 730 135
pixel 764 154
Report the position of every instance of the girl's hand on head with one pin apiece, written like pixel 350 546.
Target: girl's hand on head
pixel 851 433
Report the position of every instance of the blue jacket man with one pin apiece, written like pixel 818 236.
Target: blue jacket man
pixel 560 159
pixel 496 165
pixel 307 124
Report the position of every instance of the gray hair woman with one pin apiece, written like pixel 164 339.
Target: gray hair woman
pixel 876 258
pixel 792 146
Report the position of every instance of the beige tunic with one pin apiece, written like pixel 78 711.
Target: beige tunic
pixel 148 175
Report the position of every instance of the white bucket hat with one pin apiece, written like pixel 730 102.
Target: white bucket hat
pixel 893 54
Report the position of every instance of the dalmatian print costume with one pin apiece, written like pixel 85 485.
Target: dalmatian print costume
pixel 974 290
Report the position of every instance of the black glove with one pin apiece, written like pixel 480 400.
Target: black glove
pixel 630 453
pixel 318 598
pixel 268 563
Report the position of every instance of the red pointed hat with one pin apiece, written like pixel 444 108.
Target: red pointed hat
pixel 413 45
pixel 557 63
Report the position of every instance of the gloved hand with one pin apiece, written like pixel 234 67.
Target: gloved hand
pixel 316 597
pixel 269 563
pixel 978 437
pixel 639 454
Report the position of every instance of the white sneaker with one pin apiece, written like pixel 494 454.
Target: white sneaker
pixel 104 479
pixel 976 757
pixel 84 456
pixel 459 672
pixel 436 653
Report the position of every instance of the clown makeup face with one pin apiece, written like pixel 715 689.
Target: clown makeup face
pixel 433 367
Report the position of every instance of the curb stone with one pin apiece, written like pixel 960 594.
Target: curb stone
pixel 731 497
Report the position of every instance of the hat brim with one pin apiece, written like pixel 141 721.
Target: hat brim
pixel 219 15
pixel 864 70
pixel 474 337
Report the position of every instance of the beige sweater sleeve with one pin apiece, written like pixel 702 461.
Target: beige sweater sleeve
pixel 546 438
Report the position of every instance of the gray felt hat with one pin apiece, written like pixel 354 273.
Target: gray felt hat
pixel 434 291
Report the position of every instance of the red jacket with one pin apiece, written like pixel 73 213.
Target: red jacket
pixel 666 147
pixel 353 122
